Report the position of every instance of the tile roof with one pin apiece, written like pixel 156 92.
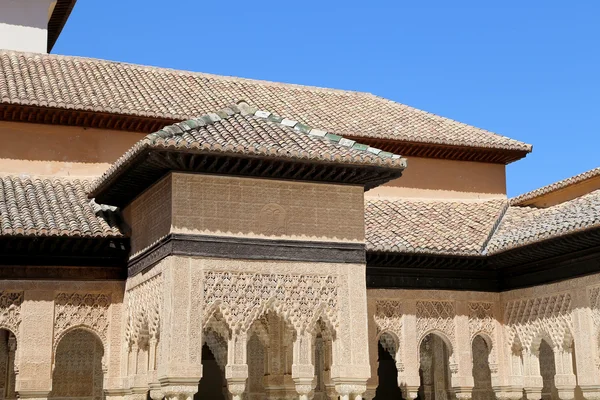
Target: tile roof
pixel 525 225
pixel 527 197
pixel 430 227
pixel 246 131
pixel 85 84
pixel 44 207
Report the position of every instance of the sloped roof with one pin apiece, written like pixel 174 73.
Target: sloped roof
pixel 52 207
pixel 84 84
pixel 431 227
pixel 521 226
pixel 556 186
pixel 243 132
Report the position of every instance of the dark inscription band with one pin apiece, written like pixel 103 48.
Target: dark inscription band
pixel 247 248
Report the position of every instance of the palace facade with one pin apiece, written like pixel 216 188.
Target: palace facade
pixel 175 235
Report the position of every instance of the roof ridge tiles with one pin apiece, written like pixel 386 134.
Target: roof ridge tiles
pixel 243 108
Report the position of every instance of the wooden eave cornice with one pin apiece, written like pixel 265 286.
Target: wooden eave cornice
pixel 148 166
pixel 147 124
pixel 63 257
pixel 58 19
pixel 540 263
pixel 442 151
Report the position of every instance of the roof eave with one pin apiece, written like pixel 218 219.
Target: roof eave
pixel 58 19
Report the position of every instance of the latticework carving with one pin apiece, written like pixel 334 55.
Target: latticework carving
pixel 530 319
pixel 388 316
pixel 81 309
pixel 436 316
pixel 10 310
pixel 242 297
pixel 78 371
pixel 143 310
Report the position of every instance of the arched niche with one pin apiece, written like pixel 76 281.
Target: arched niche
pixel 435 352
pixel 481 348
pixel 78 371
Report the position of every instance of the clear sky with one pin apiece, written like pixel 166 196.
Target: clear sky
pixel 530 73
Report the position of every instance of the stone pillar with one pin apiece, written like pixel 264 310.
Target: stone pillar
pixel 236 371
pixel 564 379
pixel 351 343
pixel 35 345
pixel 408 368
pixel 373 381
pixel 303 370
pixel 180 365
pixel 586 346
pixel 462 380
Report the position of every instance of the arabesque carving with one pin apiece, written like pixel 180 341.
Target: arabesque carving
pixel 10 310
pixel 528 319
pixel 241 298
pixel 436 316
pixel 81 309
pixel 143 310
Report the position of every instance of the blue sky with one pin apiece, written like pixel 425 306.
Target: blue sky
pixel 530 73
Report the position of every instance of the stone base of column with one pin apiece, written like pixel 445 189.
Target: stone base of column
pixel 533 393
pixel 33 395
pixel 591 392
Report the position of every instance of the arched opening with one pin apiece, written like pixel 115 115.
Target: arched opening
pixel 213 384
pixel 8 348
pixel 547 371
pixel 482 375
pixel 256 368
pixel 387 372
pixel 435 368
pixel 78 367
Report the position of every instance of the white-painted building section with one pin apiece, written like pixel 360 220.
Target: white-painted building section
pixel 24 24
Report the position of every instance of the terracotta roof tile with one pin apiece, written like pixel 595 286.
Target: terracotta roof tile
pixel 44 207
pixel 241 129
pixel 431 227
pixel 525 225
pixel 526 197
pixel 117 88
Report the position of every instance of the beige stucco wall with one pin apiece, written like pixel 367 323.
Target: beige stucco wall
pixel 434 178
pixel 232 206
pixel 24 24
pixel 565 194
pixel 54 150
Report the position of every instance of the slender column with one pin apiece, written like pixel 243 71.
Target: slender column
pixel 532 380
pixel 408 367
pixel 564 379
pixel 303 370
pixel 462 380
pixel 236 370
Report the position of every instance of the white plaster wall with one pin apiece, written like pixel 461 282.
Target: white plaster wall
pixel 24 24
